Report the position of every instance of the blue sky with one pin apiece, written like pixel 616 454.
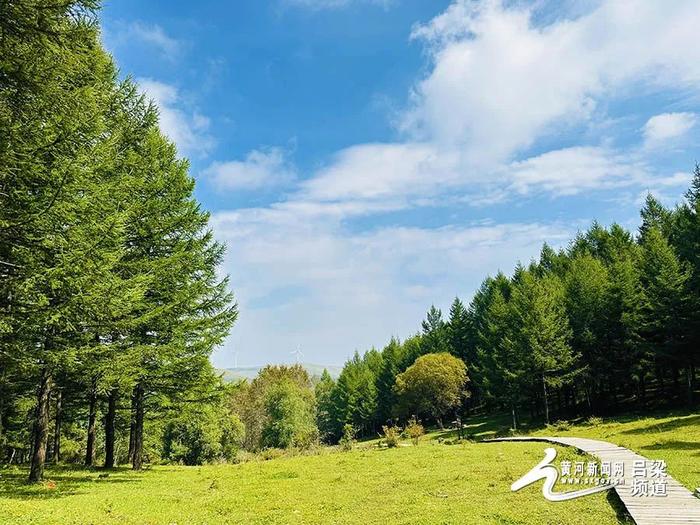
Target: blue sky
pixel 363 159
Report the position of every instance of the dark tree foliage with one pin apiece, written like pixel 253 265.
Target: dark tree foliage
pixel 108 283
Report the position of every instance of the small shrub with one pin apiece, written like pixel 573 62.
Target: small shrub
pixel 392 435
pixel 594 421
pixel 348 440
pixel 271 453
pixel 244 456
pixel 562 425
pixel 414 430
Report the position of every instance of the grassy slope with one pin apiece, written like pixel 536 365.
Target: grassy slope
pixel 431 483
pixel 673 437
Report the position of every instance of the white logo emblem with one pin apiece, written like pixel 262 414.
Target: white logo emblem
pixel 545 470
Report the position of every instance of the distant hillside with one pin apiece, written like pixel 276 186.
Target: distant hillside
pixel 249 372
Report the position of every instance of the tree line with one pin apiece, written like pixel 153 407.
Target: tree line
pixel 110 303
pixel 610 321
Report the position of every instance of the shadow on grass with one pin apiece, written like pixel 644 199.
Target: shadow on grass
pixel 489 426
pixel 478 428
pixel 675 445
pixel 679 422
pixel 58 482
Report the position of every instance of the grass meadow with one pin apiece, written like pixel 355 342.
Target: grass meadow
pixel 440 481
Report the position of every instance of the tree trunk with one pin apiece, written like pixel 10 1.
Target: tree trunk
pixel 515 419
pixel 588 400
pixel 137 461
pixel 109 429
pixel 546 404
pixel 132 427
pixel 440 425
pixel 57 428
pixel 458 421
pixel 41 427
pixel 690 386
pixel 92 427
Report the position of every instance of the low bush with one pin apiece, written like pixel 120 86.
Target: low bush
pixel 392 435
pixel 271 453
pixel 414 430
pixel 561 426
pixel 348 439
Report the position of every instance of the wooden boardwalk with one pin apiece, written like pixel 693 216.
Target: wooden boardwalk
pixel 679 507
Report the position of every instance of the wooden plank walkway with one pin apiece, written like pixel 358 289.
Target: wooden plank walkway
pixel 679 507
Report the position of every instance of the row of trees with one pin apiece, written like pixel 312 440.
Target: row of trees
pixel 401 382
pixel 110 304
pixel 283 408
pixel 614 318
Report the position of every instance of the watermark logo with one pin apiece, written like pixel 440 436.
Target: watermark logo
pixel 648 477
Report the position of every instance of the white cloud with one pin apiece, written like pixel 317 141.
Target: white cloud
pixel 155 35
pixel 187 128
pixel 261 168
pixel 374 171
pixel 678 180
pixel 333 291
pixel 400 175
pixel 499 82
pixel 666 126
pixel 666 189
pixel 151 34
pixel 573 170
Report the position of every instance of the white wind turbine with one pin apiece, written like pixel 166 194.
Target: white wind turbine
pixel 298 354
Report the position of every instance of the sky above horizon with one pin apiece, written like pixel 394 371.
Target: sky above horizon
pixel 364 159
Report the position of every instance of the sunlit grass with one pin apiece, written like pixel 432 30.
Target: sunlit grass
pixel 675 439
pixel 433 483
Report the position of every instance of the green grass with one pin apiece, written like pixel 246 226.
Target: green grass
pixel 674 437
pixel 434 483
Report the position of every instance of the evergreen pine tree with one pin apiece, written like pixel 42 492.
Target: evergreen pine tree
pixel 543 333
pixel 61 225
pixel 434 332
pixel 686 240
pixel 587 290
pixel 392 356
pixel 324 407
pixel 654 214
pixel 459 331
pixel 665 280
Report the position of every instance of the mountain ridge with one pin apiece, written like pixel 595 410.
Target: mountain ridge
pixel 250 372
